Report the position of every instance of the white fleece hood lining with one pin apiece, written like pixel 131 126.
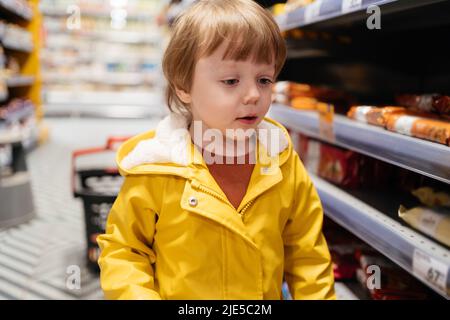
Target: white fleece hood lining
pixel 172 141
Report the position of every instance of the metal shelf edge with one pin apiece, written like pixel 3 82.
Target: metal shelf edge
pixel 297 18
pixel 389 237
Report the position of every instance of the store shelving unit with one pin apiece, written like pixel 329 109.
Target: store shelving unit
pixel 373 66
pixel 27 84
pixel 22 129
pixel 98 69
pixel 19 81
pixel 427 158
pixel 401 244
pixel 335 13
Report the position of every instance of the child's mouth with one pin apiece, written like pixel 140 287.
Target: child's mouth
pixel 248 120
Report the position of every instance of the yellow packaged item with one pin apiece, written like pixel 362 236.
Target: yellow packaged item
pixel 431 198
pixel 433 222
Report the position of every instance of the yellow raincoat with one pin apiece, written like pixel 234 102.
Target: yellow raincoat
pixel 172 233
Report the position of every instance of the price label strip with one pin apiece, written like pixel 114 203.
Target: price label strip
pixel 312 11
pixel 351 5
pixel 431 270
pixel 3 89
pixel 326 116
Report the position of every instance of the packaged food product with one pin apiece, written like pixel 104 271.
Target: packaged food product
pixel 385 280
pixel 420 127
pixel 374 115
pixel 442 105
pixel 417 102
pixel 334 164
pixel 304 103
pixel 435 222
pixel 339 166
pixel 295 4
pixel 426 103
pixel 429 197
pixel 344 261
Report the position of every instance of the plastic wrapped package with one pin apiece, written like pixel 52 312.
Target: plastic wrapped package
pixel 434 222
pixel 420 127
pixel 304 103
pixel 431 198
pixel 334 164
pixel 426 103
pixel 393 282
pixel 339 166
pixel 304 96
pixel 374 115
pixel 342 245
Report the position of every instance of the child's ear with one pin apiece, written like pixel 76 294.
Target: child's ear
pixel 183 96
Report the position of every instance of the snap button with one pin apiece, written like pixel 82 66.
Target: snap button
pixel 265 170
pixel 193 201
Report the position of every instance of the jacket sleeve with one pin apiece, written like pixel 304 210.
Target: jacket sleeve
pixel 126 247
pixel 308 266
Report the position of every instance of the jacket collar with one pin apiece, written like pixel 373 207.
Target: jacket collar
pixel 170 144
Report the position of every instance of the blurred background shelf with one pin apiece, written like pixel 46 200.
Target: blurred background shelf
pixel 327 14
pixel 19 81
pixel 20 8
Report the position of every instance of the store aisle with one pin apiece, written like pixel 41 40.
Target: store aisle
pixel 38 259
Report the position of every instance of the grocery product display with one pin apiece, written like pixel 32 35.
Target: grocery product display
pixel 20 116
pixel 76 71
pixel 382 166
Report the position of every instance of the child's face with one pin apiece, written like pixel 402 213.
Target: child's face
pixel 223 92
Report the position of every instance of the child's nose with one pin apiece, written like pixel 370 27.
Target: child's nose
pixel 252 95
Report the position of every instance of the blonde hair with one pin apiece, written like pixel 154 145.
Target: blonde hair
pixel 249 30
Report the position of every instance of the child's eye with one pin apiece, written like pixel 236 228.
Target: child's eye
pixel 265 81
pixel 230 82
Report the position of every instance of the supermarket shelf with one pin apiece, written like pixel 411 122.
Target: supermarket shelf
pixel 427 158
pixel 101 13
pixel 127 37
pixel 9 43
pixel 26 135
pixel 125 111
pixel 401 244
pixel 18 7
pixel 18 115
pixel 111 78
pixel 19 81
pixel 101 98
pixel 331 13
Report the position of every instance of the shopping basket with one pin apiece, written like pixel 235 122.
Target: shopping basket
pixel 96 180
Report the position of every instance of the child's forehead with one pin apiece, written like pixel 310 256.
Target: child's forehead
pixel 231 52
pixel 233 63
pixel 224 64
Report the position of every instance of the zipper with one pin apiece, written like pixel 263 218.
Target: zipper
pixel 206 190
pixel 242 212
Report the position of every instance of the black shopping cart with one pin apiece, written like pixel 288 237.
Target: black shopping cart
pixel 96 180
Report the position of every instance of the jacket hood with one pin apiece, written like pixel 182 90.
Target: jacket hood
pixel 169 149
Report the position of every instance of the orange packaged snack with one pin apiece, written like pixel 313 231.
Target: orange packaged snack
pixel 419 127
pixel 374 115
pixel 304 103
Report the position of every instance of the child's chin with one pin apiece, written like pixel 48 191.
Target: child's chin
pixel 242 133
